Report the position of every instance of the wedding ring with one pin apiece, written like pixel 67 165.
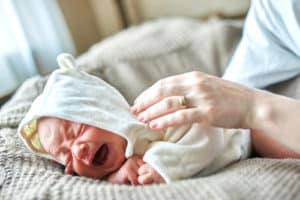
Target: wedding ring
pixel 182 101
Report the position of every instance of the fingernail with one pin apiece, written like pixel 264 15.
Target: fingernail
pixel 141 118
pixel 153 125
pixel 133 110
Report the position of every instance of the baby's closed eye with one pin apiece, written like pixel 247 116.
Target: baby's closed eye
pixel 77 131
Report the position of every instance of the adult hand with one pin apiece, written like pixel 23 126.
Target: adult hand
pixel 195 97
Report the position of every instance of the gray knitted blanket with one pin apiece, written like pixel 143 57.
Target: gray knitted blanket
pixel 164 47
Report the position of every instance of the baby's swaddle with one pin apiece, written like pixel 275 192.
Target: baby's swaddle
pixel 176 153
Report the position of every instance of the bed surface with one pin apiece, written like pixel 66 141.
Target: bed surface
pixel 145 54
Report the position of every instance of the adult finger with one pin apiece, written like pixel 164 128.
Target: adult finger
pixel 163 107
pixel 170 86
pixel 180 117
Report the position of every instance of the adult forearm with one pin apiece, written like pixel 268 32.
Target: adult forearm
pixel 221 103
pixel 277 116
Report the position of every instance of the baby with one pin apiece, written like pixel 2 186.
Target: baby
pixel 86 125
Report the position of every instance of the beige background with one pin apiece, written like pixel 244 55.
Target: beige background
pixel 140 10
pixel 90 21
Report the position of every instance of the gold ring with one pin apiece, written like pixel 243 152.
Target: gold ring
pixel 182 101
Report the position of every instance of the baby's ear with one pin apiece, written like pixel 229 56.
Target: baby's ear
pixel 66 61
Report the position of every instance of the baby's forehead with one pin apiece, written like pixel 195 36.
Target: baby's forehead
pixel 55 121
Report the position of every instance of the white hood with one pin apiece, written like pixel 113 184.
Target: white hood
pixel 80 97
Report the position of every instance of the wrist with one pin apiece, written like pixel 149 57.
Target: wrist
pixel 261 113
pixel 278 116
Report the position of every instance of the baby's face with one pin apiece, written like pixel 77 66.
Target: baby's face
pixel 83 149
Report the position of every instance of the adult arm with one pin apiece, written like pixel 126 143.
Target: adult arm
pixel 221 103
pixel 278 117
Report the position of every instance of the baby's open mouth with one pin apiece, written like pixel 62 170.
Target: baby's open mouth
pixel 101 155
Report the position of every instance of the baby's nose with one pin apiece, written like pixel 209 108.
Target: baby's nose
pixel 81 152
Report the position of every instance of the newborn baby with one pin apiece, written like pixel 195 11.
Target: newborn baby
pixel 85 124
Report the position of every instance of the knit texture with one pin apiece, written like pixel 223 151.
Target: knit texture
pixel 26 176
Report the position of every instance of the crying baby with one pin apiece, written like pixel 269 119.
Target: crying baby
pixel 85 124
